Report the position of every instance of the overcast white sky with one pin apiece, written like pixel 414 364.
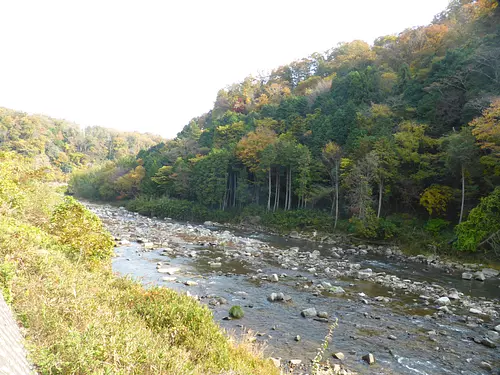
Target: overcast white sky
pixel 152 65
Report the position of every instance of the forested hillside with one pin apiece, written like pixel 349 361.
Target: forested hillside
pixel 399 138
pixel 63 144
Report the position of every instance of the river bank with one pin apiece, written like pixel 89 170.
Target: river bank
pixel 415 319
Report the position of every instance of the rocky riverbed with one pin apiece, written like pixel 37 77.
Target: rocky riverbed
pixel 417 315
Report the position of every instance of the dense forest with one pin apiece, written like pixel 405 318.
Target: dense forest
pixel 399 139
pixel 63 145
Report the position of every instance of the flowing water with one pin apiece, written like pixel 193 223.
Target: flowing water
pixel 400 331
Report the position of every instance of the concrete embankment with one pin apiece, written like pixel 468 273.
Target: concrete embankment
pixel 13 359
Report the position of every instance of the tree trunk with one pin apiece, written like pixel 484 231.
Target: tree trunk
pixel 336 195
pixel 290 193
pixel 225 197
pixel 287 203
pixel 279 189
pixel 463 196
pixel 235 187
pixel 286 189
pixel 276 189
pixel 269 190
pixel 380 189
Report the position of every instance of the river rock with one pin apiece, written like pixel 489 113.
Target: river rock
pixel 215 264
pixel 148 245
pixel 274 278
pixel 486 366
pixel 488 343
pixel 297 338
pixel 467 276
pixel 479 276
pixel 276 362
pixel 444 309
pixel 443 301
pixel 339 355
pixel 169 278
pixel 497 328
pixel 492 335
pixel 322 314
pixel 208 223
pixel 309 313
pixel 475 311
pixel 169 270
pixel 336 290
pixel 453 295
pixel 272 297
pixel 369 358
pixel 276 297
pixel 294 234
pixel 490 272
pixel 295 362
pixel 364 274
pixel 191 283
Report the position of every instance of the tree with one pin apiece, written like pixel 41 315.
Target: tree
pixel 359 182
pixel 128 184
pixel 387 166
pixel 250 151
pixel 304 174
pixel 209 177
pixel 250 147
pixel 461 154
pixel 486 129
pixel 435 199
pixel 332 154
pixel 482 226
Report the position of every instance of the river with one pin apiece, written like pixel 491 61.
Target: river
pixel 386 306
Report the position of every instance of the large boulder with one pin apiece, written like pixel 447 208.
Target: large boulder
pixel 467 276
pixel 479 276
pixel 443 301
pixel 490 272
pixel 309 313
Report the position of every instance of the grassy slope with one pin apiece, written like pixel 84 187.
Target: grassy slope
pixel 84 320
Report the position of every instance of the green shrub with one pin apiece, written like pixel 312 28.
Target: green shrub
pixel 436 226
pixel 82 231
pixel 298 220
pixel 374 228
pixel 236 312
pixel 483 221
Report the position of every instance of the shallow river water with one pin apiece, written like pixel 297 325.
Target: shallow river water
pixel 405 335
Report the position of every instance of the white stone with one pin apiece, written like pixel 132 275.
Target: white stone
pixel 169 270
pixel 339 355
pixel 475 311
pixel 467 276
pixel 490 272
pixel 479 276
pixel 309 313
pixel 169 278
pixel 443 301
pixel 276 361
